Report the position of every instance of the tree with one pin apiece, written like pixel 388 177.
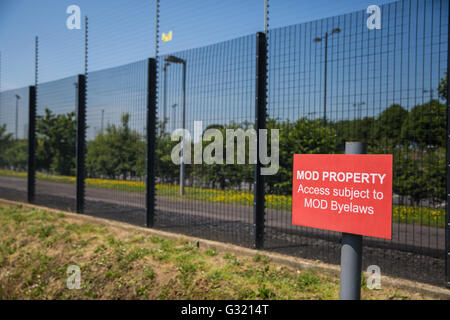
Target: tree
pixel 442 89
pixel 56 141
pixel 16 155
pixel 303 136
pixel 226 175
pixel 420 175
pixel 5 143
pixel 425 125
pixel 388 126
pixel 354 130
pixel 166 170
pixel 117 153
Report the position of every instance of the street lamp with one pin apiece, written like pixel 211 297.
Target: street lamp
pixel 335 31
pixel 359 106
pixel 103 117
pixel 174 59
pixel 164 69
pixel 430 92
pixel 17 115
pixel 174 116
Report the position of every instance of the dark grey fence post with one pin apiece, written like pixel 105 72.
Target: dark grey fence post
pixel 31 176
pixel 81 141
pixel 351 251
pixel 447 220
pixel 260 123
pixel 151 143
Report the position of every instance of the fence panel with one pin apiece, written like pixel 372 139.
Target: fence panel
pixel 335 80
pixel 220 92
pixel 115 148
pixel 14 143
pixel 56 143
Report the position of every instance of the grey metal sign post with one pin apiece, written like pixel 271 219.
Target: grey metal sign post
pixel 351 251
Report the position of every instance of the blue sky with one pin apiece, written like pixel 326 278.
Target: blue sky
pixel 370 69
pixel 122 31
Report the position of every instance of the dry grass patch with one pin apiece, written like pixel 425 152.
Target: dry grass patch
pixel 37 247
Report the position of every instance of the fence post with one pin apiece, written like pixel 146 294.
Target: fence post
pixel 31 176
pixel 447 219
pixel 351 251
pixel 81 141
pixel 151 143
pixel 260 123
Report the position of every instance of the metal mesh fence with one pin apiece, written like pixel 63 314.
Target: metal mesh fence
pixel 220 90
pixel 187 24
pixel 14 143
pixel 116 129
pixel 56 143
pixel 335 80
pixel 329 81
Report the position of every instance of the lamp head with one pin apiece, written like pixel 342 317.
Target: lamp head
pixel 173 59
pixel 317 39
pixel 336 30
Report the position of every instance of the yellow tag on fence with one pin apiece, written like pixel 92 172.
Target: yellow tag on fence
pixel 167 37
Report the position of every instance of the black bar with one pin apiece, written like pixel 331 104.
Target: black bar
pixel 447 225
pixel 81 141
pixel 260 123
pixel 31 176
pixel 151 143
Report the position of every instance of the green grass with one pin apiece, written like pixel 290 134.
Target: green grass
pixel 400 214
pixel 37 248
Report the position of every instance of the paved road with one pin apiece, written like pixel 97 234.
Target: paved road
pixel 404 236
pixel 415 253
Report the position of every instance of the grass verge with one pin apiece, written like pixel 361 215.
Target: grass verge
pixel 37 247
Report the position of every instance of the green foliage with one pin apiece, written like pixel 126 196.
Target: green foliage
pixel 13 153
pixel 166 170
pixel 303 136
pixel 307 280
pixel 211 252
pixel 225 175
pixel 265 293
pixel 149 273
pixel 426 125
pixel 56 141
pixel 117 153
pixel 442 89
pixel 17 155
pixel 5 143
pixel 409 176
pixel 354 130
pixel 389 124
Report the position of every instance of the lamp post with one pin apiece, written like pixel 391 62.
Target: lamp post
pixel 17 116
pixel 359 106
pixel 103 117
pixel 325 37
pixel 164 69
pixel 174 59
pixel 174 117
pixel 430 91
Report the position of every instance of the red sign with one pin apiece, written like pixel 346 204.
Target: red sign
pixel 345 193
